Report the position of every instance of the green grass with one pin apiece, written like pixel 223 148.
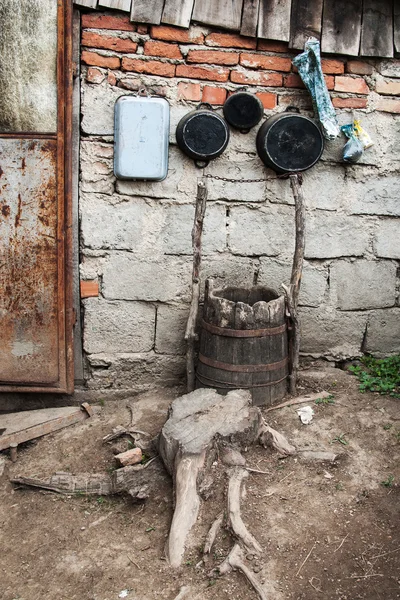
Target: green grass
pixel 388 482
pixel 381 375
pixel 328 400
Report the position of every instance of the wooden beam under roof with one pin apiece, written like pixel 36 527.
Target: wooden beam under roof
pixel 219 13
pixel 274 20
pixel 147 11
pixel 305 22
pixel 341 26
pixel 178 12
pixel 377 28
pixel 124 5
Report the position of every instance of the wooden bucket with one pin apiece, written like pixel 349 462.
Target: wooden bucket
pixel 243 343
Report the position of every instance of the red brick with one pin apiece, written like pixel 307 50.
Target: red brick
pixel 95 75
pixel 388 87
pixel 332 67
pixel 355 85
pixel 293 81
pixel 150 67
pixel 257 78
pixel 213 57
pixel 174 34
pixel 330 81
pixel 142 29
pixel 89 289
pixel 162 49
pixel 95 40
pixel 104 21
pixel 303 102
pixel 214 95
pixel 92 58
pixel 230 40
pixel 271 63
pixel 388 105
pixel 358 67
pixel 268 99
pixel 272 46
pixel 189 91
pixel 349 102
pixel 112 80
pixel 208 73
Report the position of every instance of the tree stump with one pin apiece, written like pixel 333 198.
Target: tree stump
pixel 188 444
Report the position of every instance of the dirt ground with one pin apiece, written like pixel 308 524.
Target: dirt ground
pixel 329 531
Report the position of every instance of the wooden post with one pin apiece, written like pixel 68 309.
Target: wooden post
pixel 293 290
pixel 197 231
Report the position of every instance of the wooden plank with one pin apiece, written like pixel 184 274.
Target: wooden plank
pixel 219 13
pixel 147 11
pixel 78 351
pixel 341 26
pixel 377 28
pixel 124 5
pixel 177 12
pixel 250 18
pixel 86 3
pixel 305 22
pixel 274 20
pixel 27 425
pixel 396 26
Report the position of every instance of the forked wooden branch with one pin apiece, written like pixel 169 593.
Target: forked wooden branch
pixel 197 231
pixel 292 291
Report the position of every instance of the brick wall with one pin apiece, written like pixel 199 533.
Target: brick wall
pixel 136 236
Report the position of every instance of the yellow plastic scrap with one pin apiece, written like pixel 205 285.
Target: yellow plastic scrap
pixel 362 135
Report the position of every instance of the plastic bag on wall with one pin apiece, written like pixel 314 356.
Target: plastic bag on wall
pixel 310 71
pixel 353 149
pixel 362 135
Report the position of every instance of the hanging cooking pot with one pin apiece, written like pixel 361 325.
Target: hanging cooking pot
pixel 243 110
pixel 289 142
pixel 202 134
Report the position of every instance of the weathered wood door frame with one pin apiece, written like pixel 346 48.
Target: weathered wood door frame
pixel 63 136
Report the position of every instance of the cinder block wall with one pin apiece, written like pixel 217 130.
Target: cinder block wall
pixel 136 236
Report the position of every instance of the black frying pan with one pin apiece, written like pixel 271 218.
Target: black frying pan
pixel 202 134
pixel 243 110
pixel 289 142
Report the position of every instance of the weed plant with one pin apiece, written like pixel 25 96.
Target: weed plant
pixel 381 375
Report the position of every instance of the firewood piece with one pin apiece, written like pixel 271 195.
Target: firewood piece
pixel 138 481
pixel 318 455
pixel 130 457
pixel 235 560
pixel 301 400
pixel 235 520
pixel 271 437
pixel 197 231
pixel 116 433
pixel 212 534
pixel 197 421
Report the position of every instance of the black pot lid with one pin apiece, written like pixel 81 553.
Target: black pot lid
pixel 243 110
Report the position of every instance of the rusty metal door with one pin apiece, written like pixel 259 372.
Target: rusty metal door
pixel 35 207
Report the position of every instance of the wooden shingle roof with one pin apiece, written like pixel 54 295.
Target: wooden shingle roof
pixel 351 27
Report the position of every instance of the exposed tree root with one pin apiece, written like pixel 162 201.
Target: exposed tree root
pixel 187 505
pixel 271 437
pixel 235 560
pixel 212 534
pixel 235 520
